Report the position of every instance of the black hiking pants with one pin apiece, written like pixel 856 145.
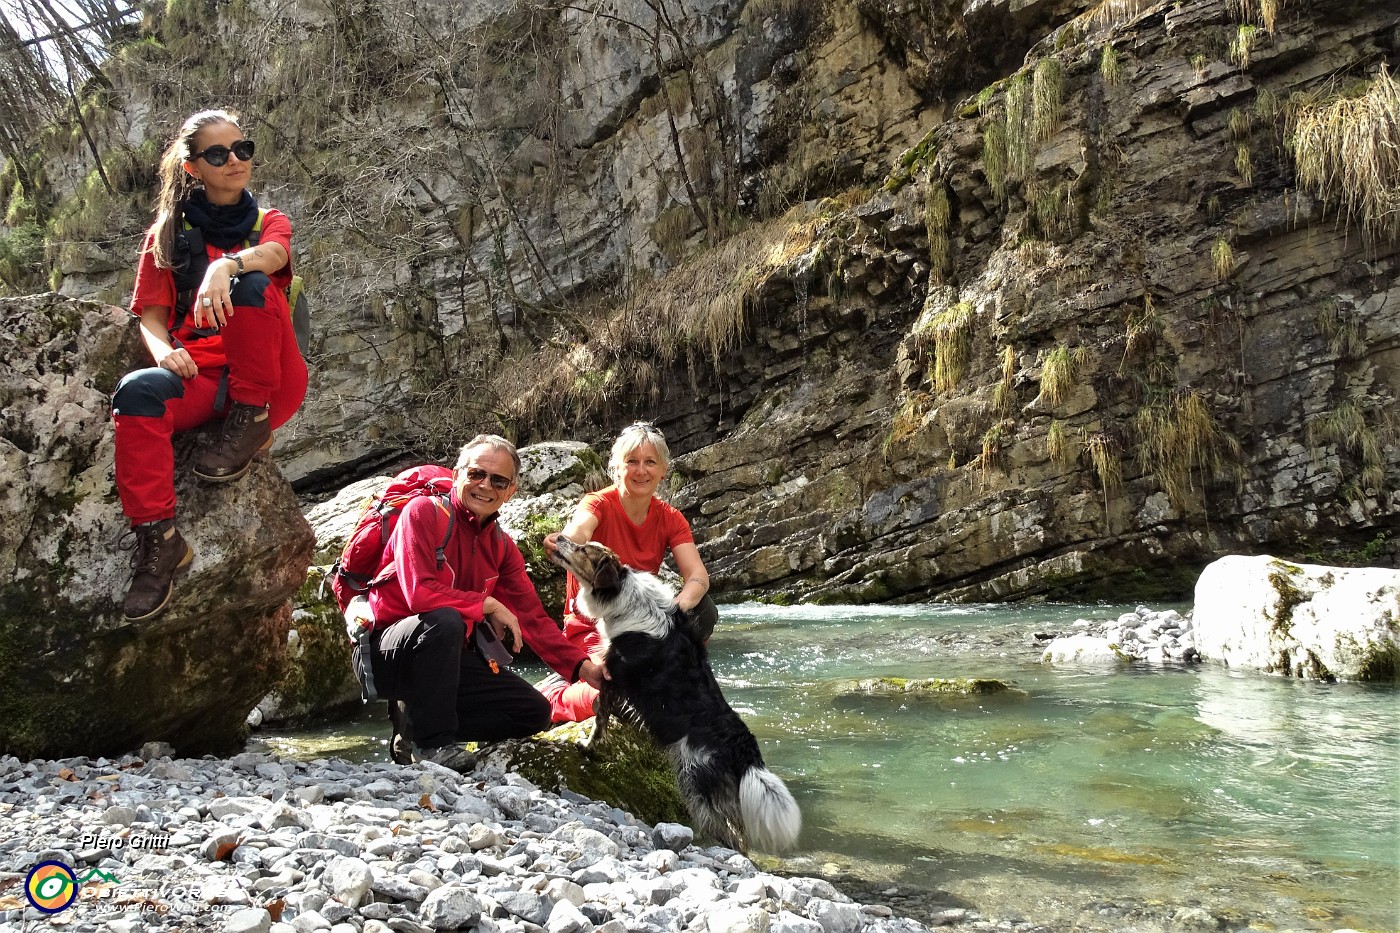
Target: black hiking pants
pixel 451 693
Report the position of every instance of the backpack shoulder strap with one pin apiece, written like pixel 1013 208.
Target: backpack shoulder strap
pixel 444 503
pixel 255 234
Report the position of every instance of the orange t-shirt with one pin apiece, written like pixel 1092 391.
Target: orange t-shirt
pixel 641 547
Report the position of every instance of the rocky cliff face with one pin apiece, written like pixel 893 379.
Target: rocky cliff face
pixel 1009 299
pixel 75 677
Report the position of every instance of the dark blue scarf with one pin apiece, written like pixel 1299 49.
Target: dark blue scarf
pixel 223 225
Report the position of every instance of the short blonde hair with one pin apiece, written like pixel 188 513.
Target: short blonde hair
pixel 488 440
pixel 634 436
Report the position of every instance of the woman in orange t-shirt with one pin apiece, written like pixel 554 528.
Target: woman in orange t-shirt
pixel 640 529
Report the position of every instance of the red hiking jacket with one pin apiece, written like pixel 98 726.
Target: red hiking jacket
pixel 482 561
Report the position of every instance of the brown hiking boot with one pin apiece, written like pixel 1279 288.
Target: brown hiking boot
pixel 160 553
pixel 247 432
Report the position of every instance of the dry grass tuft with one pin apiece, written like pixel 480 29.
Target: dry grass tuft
pixel 936 217
pixel 952 345
pixel 1057 443
pixel 1347 427
pixel 1263 12
pixel 1047 98
pixel 1062 367
pixel 1244 164
pixel 1180 437
pixel 1109 69
pixel 1347 151
pixel 906 421
pixel 1222 257
pixel 1243 45
pixel 698 311
pixel 1343 331
pixel 1103 457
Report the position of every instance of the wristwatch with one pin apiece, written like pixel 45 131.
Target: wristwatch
pixel 238 260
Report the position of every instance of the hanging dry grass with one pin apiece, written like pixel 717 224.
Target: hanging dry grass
pixel 1057 443
pixel 1111 13
pixel 906 421
pixel 1347 152
pixel 952 345
pixel 1242 47
pixel 1180 437
pixel 1263 12
pixel 1342 331
pixel 936 217
pixel 1103 457
pixel 1061 369
pixel 1109 69
pixel 1222 258
pixel 1347 427
pixel 1047 98
pixel 699 310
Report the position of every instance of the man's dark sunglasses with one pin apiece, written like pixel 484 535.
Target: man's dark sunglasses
pixel 498 482
pixel 218 155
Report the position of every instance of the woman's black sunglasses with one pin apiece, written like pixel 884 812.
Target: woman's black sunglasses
pixel 218 155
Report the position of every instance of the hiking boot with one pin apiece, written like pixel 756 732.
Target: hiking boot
pixel 401 740
pixel 160 552
pixel 454 756
pixel 247 432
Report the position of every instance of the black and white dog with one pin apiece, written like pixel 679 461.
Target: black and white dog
pixel 658 667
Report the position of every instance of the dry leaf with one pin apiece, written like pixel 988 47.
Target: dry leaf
pixel 66 774
pixel 225 850
pixel 426 801
pixel 274 908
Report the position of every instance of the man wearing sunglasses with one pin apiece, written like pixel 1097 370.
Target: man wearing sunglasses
pixel 454 569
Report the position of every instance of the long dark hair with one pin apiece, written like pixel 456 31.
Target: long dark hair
pixel 176 184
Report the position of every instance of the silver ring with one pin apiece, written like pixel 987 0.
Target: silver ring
pixel 208 302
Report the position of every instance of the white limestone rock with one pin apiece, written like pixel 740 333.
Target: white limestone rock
pixel 1081 649
pixel 1299 620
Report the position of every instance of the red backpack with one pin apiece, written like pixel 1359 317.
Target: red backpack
pixel 362 562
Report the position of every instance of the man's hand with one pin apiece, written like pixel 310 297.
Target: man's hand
pixel 551 544
pixel 593 674
pixel 505 623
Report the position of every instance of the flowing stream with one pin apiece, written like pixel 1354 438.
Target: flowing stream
pixel 1262 800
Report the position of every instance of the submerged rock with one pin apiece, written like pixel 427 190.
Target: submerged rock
pixel 1301 620
pixel 929 686
pixel 75 676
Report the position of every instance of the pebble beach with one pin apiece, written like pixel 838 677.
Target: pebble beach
pixel 256 844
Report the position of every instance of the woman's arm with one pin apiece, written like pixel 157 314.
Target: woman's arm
pixel 218 279
pixel 157 339
pixel 693 572
pixel 579 530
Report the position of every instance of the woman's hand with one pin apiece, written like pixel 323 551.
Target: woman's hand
pixel 179 362
pixel 213 303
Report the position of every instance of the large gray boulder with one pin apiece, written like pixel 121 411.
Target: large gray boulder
pixel 1327 623
pixel 75 677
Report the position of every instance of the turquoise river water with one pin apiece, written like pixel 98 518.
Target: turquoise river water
pixel 1270 802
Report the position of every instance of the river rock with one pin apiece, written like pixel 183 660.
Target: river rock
pixel 1300 620
pixel 76 677
pixel 928 686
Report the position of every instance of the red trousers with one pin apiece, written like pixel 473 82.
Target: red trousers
pixel 574 702
pixel 264 368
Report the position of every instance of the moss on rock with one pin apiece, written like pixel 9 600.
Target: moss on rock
pixel 626 769
pixel 931 686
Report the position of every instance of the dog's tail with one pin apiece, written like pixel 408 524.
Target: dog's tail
pixel 771 818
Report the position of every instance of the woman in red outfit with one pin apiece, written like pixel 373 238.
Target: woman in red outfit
pixel 210 293
pixel 640 529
